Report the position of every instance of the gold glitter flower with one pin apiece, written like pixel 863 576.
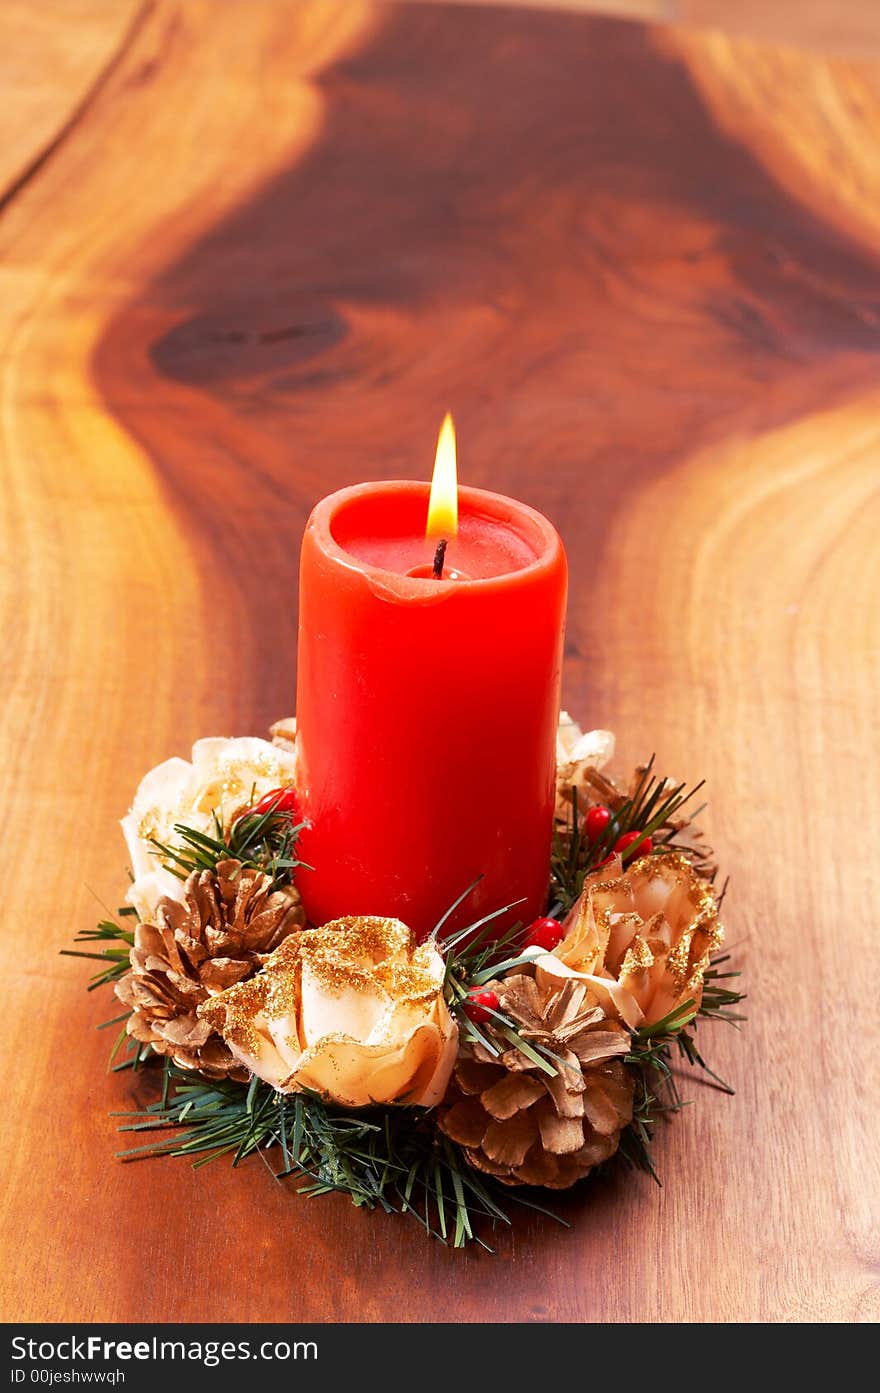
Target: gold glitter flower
pixel 641 937
pixel 353 1011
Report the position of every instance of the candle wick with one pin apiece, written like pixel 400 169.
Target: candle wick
pixel 439 558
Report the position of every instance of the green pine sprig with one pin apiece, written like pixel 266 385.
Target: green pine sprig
pixel 474 957
pixel 718 999
pixel 389 1158
pixel 260 841
pixel 649 810
pixel 115 957
pixel 657 1049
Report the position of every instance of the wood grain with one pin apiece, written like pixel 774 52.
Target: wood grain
pixel 274 246
pixel 54 55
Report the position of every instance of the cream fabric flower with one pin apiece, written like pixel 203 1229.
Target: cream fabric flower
pixel 642 937
pixel 225 776
pixel 353 1011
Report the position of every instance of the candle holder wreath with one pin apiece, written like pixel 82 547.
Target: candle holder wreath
pixel 447 1079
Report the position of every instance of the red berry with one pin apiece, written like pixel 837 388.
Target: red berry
pixel 625 845
pixel 595 822
pixel 544 933
pixel 480 1004
pixel 277 800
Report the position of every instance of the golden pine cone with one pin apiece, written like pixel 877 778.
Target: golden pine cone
pixel 524 1126
pixel 219 933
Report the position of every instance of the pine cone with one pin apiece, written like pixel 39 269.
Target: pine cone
pixel 524 1126
pixel 218 934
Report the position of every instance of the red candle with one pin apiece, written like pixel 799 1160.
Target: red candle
pixel 427 708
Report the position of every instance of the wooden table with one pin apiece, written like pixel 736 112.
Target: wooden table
pixel 251 253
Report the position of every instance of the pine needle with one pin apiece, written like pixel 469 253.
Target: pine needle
pixel 260 841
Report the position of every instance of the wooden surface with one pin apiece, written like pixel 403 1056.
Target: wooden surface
pixel 273 244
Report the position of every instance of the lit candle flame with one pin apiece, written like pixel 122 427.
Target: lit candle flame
pixel 443 504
